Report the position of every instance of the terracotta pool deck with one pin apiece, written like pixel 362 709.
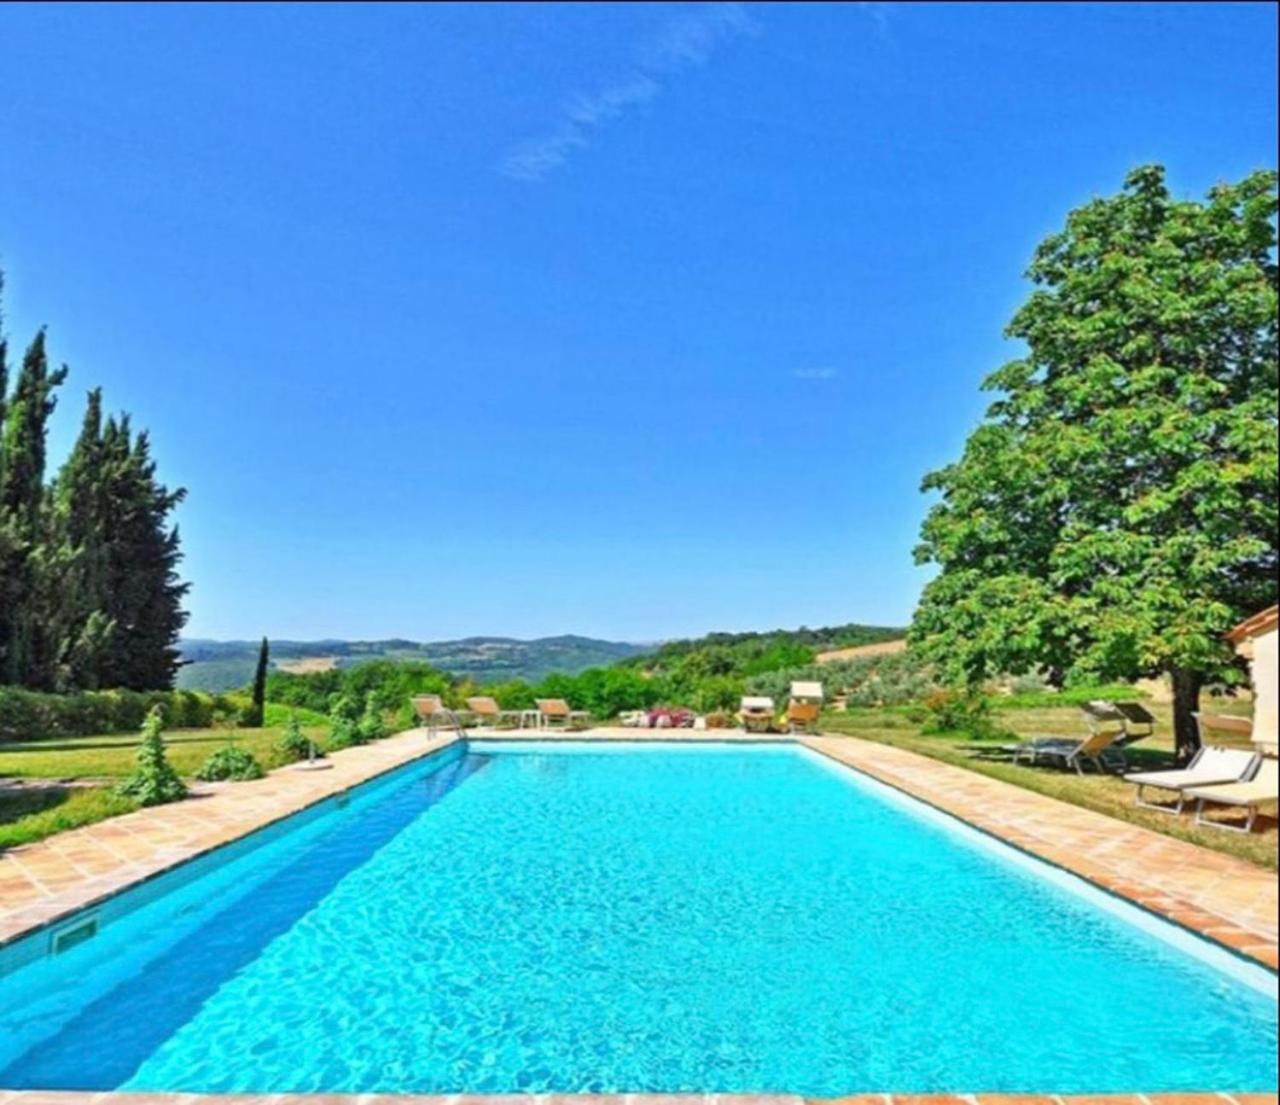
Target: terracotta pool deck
pixel 1218 896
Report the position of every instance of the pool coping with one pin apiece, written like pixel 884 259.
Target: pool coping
pixel 1026 820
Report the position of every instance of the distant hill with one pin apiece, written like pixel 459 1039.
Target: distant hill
pixel 228 665
pixel 775 648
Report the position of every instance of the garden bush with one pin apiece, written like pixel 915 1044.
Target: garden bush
pixel 372 725
pixel 154 781
pixel 34 715
pixel 230 762
pixel 295 745
pixel 959 711
pixel 344 723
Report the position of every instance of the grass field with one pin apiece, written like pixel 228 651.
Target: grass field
pixel 28 814
pixel 1107 794
pixel 112 756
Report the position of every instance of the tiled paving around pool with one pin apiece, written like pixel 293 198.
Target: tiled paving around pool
pixel 1218 896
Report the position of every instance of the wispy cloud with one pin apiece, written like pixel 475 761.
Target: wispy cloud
pixel 684 43
pixel 815 373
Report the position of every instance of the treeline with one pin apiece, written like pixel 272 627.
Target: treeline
pixel 754 653
pixel 388 685
pixel 709 676
pixel 89 591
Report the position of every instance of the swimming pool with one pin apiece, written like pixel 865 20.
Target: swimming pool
pixel 632 918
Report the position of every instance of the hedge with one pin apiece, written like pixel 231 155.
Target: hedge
pixel 31 715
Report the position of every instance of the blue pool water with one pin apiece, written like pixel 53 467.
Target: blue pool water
pixel 666 919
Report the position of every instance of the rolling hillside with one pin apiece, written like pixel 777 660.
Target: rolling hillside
pixel 227 665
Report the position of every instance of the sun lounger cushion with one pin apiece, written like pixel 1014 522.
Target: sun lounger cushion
pixel 1263 787
pixel 1211 765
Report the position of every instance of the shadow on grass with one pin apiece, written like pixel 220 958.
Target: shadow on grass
pixel 19 802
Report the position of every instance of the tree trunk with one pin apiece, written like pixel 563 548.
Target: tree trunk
pixel 1186 701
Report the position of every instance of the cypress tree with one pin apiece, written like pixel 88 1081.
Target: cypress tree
pixel 142 594
pixel 258 710
pixel 25 435
pixel 82 627
pixel 21 504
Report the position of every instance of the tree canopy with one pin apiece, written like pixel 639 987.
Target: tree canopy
pixel 1116 510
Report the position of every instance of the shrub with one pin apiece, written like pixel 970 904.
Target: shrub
pixel 371 725
pixel 231 762
pixel 295 745
pixel 718 692
pixel 344 734
pixel 34 715
pixel 344 707
pixel 344 725
pixel 153 781
pixel 951 711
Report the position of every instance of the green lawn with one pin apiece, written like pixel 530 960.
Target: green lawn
pixel 27 814
pixel 1107 794
pixel 111 756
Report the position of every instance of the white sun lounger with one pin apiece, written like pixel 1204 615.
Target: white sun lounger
pixel 1262 789
pixel 1209 767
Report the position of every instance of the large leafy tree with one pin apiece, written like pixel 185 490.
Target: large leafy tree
pixel 1116 510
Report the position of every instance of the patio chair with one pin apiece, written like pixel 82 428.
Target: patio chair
pixel 1134 720
pixel 756 713
pixel 1261 790
pixel 487 712
pixel 554 713
pixel 427 706
pixel 804 706
pixel 1208 767
pixel 1099 749
pixel 431 710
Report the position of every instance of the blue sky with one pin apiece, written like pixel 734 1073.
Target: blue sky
pixel 626 321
